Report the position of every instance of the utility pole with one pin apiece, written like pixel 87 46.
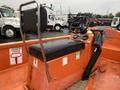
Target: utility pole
pixel 107 11
pixel 60 8
pixel 69 11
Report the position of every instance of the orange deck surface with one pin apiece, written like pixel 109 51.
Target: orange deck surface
pixel 107 73
pixel 14 78
pixel 107 77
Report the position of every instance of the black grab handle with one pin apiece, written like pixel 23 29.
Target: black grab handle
pixel 27 3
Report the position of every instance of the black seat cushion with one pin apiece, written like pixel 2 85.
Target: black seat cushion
pixel 56 49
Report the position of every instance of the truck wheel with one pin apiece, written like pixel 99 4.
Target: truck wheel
pixel 118 27
pixel 10 32
pixel 57 27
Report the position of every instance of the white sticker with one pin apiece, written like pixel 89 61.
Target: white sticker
pixel 35 62
pixel 15 56
pixel 77 55
pixel 65 61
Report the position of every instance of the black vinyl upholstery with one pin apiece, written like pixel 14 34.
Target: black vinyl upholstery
pixel 29 20
pixel 56 49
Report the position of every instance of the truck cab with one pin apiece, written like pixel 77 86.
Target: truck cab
pixel 116 23
pixel 55 22
pixel 9 24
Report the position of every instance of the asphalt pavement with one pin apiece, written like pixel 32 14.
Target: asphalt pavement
pixel 34 36
pixel 43 35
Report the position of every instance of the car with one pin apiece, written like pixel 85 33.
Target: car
pixel 116 23
pixel 9 24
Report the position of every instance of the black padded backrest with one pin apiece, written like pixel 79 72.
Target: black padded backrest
pixel 43 16
pixel 29 20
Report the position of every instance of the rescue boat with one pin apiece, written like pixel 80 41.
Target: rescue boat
pixel 60 62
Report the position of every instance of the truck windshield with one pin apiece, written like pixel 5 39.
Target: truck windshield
pixel 6 13
pixel 115 19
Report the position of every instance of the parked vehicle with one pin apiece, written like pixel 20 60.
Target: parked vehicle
pixel 79 22
pixel 55 22
pixel 116 23
pixel 94 22
pixel 9 24
pixel 105 21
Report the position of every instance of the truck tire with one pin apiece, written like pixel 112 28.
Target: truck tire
pixel 10 32
pixel 118 27
pixel 57 27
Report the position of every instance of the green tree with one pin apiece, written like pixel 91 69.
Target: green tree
pixel 111 15
pixel 98 16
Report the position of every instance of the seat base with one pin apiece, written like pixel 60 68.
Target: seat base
pixel 56 49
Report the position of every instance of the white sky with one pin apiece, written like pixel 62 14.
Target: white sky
pixel 95 6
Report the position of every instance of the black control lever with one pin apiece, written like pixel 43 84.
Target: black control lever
pixel 98 40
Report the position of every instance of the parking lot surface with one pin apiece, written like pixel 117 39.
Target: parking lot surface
pixel 43 35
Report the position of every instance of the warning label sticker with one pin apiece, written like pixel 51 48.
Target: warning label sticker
pixel 65 61
pixel 35 62
pixel 15 56
pixel 77 55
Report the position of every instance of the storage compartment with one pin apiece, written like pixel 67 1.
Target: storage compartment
pixel 56 49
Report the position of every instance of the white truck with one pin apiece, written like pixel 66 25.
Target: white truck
pixel 9 24
pixel 55 22
pixel 116 23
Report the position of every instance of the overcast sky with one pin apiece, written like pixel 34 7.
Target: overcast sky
pixel 94 6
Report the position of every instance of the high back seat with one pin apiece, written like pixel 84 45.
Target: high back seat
pixel 29 20
pixel 56 49
pixel 53 49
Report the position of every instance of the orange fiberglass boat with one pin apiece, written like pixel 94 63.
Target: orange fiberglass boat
pixel 58 63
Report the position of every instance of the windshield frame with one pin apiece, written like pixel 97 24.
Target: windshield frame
pixel 6 12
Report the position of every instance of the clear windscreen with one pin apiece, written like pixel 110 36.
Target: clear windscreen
pixel 7 13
